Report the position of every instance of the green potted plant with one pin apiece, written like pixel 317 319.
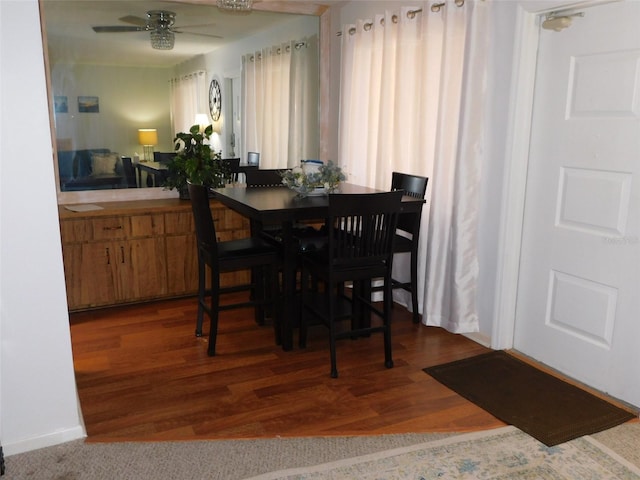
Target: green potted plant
pixel 194 162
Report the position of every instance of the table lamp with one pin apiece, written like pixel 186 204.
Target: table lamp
pixel 202 120
pixel 148 138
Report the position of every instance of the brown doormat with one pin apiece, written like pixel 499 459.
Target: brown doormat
pixel 545 407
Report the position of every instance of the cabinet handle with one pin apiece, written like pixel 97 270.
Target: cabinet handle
pixel 108 256
pixel 119 227
pixel 122 253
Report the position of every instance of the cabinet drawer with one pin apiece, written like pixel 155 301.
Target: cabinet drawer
pixel 72 231
pixel 147 225
pixel 110 228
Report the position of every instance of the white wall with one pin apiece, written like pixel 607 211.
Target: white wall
pixel 503 18
pixel 38 401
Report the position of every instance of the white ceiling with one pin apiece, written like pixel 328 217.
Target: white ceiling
pixel 71 39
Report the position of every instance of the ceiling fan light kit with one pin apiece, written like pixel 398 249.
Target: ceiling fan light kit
pixel 159 24
pixel 162 39
pixel 235 5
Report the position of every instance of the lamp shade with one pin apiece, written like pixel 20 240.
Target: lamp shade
pixel 202 120
pixel 148 136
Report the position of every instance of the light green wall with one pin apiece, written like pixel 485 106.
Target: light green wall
pixel 130 98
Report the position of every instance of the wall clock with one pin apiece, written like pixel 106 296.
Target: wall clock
pixel 215 100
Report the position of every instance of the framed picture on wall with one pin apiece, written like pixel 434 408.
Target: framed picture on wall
pixel 60 104
pixel 88 104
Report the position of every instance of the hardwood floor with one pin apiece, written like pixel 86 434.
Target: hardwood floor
pixel 143 375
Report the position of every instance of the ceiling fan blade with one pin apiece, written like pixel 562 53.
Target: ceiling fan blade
pixel 116 29
pixel 195 33
pixel 182 27
pixel 132 19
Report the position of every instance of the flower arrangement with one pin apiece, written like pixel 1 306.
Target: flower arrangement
pixel 322 180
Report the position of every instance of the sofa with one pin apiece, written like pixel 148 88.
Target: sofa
pixel 91 169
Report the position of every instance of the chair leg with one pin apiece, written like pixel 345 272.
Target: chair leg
pixel 258 293
pixel 214 313
pixel 201 297
pixel 388 360
pixel 332 333
pixel 414 285
pixel 302 331
pixel 275 304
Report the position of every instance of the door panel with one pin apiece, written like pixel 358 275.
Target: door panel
pixel 579 286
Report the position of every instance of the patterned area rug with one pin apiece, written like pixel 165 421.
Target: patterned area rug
pixel 504 453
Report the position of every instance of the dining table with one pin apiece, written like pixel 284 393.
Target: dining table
pixel 282 206
pixel 156 173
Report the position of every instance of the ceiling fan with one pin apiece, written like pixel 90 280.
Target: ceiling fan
pixel 159 24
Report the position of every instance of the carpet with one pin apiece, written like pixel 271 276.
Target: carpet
pixel 242 459
pixel 547 408
pixel 504 453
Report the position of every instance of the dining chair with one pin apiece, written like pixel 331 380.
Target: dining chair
pixel 129 172
pixel 231 169
pixel 306 235
pixel 264 178
pixel 163 157
pixel 248 253
pixel 407 235
pixel 361 232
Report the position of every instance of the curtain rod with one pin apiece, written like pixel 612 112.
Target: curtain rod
pixel 278 51
pixel 410 14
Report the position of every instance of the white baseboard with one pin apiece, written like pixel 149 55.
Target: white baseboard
pixel 480 338
pixel 43 441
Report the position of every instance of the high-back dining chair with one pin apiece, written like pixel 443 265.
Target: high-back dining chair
pixel 264 177
pixel 306 235
pixel 129 172
pixel 231 169
pixel 233 255
pixel 257 178
pixel 409 224
pixel 361 231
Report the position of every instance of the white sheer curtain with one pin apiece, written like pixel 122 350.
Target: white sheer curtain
pixel 280 110
pixel 187 99
pixel 412 90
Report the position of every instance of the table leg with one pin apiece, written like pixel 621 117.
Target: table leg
pixel 289 309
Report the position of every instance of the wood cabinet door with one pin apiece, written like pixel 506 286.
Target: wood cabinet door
pixel 91 275
pixel 182 264
pixel 143 272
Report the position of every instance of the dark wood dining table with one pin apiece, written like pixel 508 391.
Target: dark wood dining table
pixel 280 205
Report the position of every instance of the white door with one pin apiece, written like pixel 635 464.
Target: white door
pixel 578 306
